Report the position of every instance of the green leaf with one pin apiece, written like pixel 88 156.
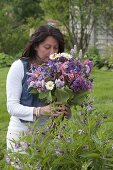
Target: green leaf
pixel 49 97
pixel 33 90
pixel 62 95
pixel 79 97
pixel 70 92
pixel 90 155
pixel 46 95
pixel 97 140
pixel 43 95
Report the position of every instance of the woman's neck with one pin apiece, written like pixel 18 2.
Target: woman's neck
pixel 37 61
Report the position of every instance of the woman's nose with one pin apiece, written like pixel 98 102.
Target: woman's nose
pixel 52 51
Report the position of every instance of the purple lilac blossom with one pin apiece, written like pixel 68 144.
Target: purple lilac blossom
pixel 89 107
pixel 17 145
pixel 87 69
pixel 59 83
pixel 8 160
pixel 40 85
pixel 89 63
pixel 81 84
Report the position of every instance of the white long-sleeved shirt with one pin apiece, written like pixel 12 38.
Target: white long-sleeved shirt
pixel 13 91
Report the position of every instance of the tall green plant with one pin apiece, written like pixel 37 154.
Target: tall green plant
pixel 84 142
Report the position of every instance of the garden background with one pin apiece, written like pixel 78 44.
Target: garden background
pixel 76 19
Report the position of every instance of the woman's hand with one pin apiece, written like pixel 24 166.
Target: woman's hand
pixel 54 110
pixel 45 110
pixel 59 108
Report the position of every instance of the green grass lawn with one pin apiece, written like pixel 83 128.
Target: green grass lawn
pixel 4 117
pixel 103 91
pixel 102 94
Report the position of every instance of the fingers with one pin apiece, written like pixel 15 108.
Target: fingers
pixel 59 112
pixel 60 104
pixel 56 109
pixel 45 109
pixel 63 108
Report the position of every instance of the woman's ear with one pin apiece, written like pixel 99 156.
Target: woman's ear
pixel 35 48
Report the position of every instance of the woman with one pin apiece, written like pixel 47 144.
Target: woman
pixel 23 106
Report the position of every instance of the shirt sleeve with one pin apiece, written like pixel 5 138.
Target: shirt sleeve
pixel 14 90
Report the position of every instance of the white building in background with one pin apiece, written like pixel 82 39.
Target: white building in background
pixel 101 39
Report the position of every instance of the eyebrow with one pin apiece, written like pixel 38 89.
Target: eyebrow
pixel 50 45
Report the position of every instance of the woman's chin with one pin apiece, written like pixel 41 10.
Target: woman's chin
pixel 45 60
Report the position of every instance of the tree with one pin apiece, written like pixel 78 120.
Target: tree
pixel 58 12
pixel 16 20
pixel 78 17
pixel 108 17
pixel 26 8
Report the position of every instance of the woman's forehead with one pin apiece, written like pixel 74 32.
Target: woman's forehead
pixel 50 40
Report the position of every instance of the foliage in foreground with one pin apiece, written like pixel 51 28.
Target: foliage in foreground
pixel 85 142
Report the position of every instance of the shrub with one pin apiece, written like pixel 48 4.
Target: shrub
pixel 95 56
pixel 108 57
pixel 5 60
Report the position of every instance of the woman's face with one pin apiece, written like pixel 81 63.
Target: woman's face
pixel 48 46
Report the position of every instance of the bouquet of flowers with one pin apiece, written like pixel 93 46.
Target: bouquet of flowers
pixel 63 78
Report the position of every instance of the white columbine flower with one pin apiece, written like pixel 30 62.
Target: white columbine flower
pixel 80 54
pixel 80 131
pixel 53 56
pixel 72 52
pixel 66 55
pixel 85 56
pixel 49 85
pixel 75 49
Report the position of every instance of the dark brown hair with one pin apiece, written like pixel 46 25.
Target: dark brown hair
pixel 39 36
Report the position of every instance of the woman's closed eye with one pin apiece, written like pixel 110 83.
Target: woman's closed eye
pixel 49 47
